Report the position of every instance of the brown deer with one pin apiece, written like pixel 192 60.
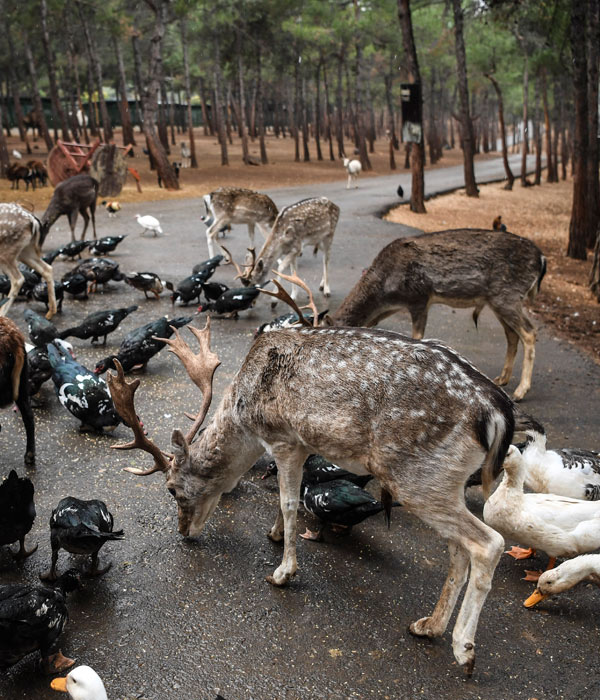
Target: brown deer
pixel 414 414
pixel 76 195
pixel 461 268
pixel 307 222
pixel 21 239
pixel 235 205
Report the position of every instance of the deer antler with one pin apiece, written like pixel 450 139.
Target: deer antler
pixel 240 273
pixel 122 393
pixel 200 368
pixel 284 296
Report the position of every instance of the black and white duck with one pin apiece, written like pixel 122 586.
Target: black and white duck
pixel 51 256
pixel 32 618
pixel 38 364
pixel 82 392
pixel 232 301
pixel 99 324
pixel 189 289
pixel 207 267
pixel 81 527
pixel 41 331
pixel 318 470
pixel 75 284
pixel 105 245
pixel 40 293
pixel 145 282
pixel 140 345
pixel 17 512
pixel 341 504
pixel 99 271
pixel 74 249
pixel 288 320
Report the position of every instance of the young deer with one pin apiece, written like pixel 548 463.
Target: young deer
pixel 73 196
pixel 308 222
pixel 21 239
pixel 235 205
pixel 461 268
pixel 414 414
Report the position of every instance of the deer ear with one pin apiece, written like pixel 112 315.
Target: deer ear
pixel 327 320
pixel 179 447
pixel 260 265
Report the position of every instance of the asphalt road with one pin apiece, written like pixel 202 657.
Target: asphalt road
pixel 179 619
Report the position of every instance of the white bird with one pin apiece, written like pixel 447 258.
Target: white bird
pixel 17 154
pixel 149 223
pixel 568 574
pixel 354 169
pixel 83 683
pixel 568 472
pixel 557 525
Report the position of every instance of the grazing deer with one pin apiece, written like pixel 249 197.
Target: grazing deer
pixel 308 222
pixel 414 414
pixel 354 169
pixel 73 196
pixel 461 268
pixel 235 205
pixel 21 239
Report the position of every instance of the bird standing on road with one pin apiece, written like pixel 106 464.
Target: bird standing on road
pixel 232 301
pixel 99 324
pixel 149 223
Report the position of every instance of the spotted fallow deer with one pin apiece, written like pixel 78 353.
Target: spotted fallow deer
pixel 21 239
pixel 461 268
pixel 413 413
pixel 235 205
pixel 307 222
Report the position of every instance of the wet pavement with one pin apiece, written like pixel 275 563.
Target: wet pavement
pixel 183 619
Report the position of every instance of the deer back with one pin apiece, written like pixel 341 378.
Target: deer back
pixel 76 193
pixel 241 206
pixel 462 267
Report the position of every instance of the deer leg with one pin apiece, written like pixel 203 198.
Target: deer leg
pixel 72 216
pixel 512 343
pixel 86 221
pixel 32 258
pixel 24 406
pixel 93 215
pixel 324 286
pixel 211 235
pixel 276 532
pixel 289 461
pixel 418 315
pixel 527 335
pixel 251 233
pixel 16 282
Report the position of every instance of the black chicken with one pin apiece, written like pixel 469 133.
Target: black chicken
pixel 105 245
pixel 99 271
pixel 41 331
pixel 32 618
pixel 40 293
pixel 98 324
pixel 139 346
pixel 208 267
pixel 232 301
pixel 80 527
pixel 40 369
pixel 17 512
pixel 75 284
pixel 74 249
pixel 188 289
pixel 145 282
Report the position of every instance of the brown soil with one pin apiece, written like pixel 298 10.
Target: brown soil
pixel 542 214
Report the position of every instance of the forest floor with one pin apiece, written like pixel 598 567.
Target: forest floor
pixel 539 213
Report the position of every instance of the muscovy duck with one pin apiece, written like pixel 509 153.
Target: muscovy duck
pixel 51 256
pixel 318 470
pixel 339 503
pixel 82 683
pixel 32 618
pixel 31 279
pixel 139 346
pixel 82 392
pixel 40 369
pixel 75 284
pixel 105 245
pixel 40 293
pixel 149 223
pixel 99 271
pixel 98 324
pixel 145 282
pixel 232 301
pixel 187 290
pixel 286 321
pixel 74 249
pixel 17 512
pixel 81 527
pixel 208 267
pixel 213 290
pixel 41 331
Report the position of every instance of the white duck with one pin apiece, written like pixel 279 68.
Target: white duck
pixel 568 574
pixel 149 223
pixel 567 472
pixel 559 526
pixel 82 683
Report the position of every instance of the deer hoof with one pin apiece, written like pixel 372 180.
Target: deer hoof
pixel 520 393
pixel 501 380
pixel 421 628
pixel 275 536
pixel 275 582
pixel 466 658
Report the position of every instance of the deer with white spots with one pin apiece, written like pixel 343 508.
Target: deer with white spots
pixel 461 268
pixel 21 240
pixel 413 413
pixel 307 222
pixel 235 205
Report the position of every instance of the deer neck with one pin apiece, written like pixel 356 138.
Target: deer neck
pixel 362 305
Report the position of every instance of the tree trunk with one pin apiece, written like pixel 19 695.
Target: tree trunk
pixel 578 233
pixel 220 105
pixel 537 135
pixel 4 160
pixel 73 74
pixel 551 174
pixel 137 75
pixel 593 196
pixel 525 145
pixel 58 112
pixel 92 50
pixel 340 103
pixel 318 110
pixel 304 115
pixel 14 83
pixel 463 95
pixel 260 108
pixel 329 130
pixel 294 112
pixel 204 108
pixel 242 101
pixel 509 174
pixel 150 99
pixel 37 100
pixel 127 128
pixel 188 94
pixel 417 195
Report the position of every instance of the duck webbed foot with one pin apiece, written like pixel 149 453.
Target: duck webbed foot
pixel 314 536
pixel 23 553
pixel 57 663
pixel 95 570
pixel 534 575
pixel 520 553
